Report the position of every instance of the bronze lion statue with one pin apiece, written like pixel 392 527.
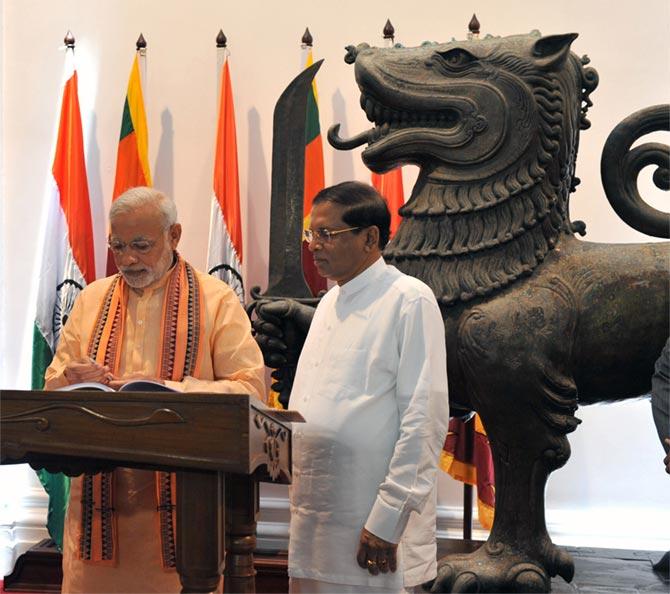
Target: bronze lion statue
pixel 537 321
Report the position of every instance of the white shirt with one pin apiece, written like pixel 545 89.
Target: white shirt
pixel 371 383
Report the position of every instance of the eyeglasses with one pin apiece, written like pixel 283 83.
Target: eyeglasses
pixel 324 235
pixel 139 246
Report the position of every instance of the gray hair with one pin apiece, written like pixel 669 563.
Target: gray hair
pixel 142 196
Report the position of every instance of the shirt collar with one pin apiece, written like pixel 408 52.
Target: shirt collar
pixel 368 276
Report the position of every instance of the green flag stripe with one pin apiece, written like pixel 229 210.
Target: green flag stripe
pixel 57 485
pixel 126 122
pixel 312 129
pixel 42 356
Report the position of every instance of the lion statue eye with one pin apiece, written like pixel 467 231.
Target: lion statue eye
pixel 457 58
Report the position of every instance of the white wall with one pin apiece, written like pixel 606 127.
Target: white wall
pixel 613 491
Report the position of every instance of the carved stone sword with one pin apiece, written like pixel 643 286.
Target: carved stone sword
pixel 288 182
pixel 286 279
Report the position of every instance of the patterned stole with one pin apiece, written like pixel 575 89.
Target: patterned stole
pixel 180 356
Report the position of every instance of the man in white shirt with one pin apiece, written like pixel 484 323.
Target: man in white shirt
pixel 371 383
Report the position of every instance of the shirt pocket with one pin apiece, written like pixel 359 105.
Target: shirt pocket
pixel 345 373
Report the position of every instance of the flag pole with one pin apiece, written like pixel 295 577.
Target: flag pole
pixel 221 55
pixel 389 34
pixel 69 40
pixel 473 27
pixel 141 47
pixel 306 43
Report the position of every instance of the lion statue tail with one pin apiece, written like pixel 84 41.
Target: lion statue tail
pixel 620 166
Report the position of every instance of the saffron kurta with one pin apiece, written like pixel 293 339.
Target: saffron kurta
pixel 231 363
pixel 372 385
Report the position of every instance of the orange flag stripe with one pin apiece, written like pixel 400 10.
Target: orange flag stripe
pixel 389 185
pixel 226 176
pixel 69 171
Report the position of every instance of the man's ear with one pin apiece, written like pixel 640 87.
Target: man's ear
pixel 372 237
pixel 175 235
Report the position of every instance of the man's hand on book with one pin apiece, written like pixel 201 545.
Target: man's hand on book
pixel 87 370
pixel 117 382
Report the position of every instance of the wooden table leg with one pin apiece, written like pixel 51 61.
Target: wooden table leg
pixel 241 514
pixel 200 530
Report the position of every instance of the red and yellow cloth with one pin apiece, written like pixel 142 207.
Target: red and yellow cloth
pixel 475 467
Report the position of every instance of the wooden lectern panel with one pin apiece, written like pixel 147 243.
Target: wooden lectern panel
pixel 209 440
pixel 162 430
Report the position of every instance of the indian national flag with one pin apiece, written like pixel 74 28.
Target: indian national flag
pixel 132 157
pixel 68 263
pixel 224 259
pixel 314 180
pixel 389 185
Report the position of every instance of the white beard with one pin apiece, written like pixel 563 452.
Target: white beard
pixel 147 276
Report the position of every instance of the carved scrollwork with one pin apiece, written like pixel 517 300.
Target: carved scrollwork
pixel 159 416
pixel 275 436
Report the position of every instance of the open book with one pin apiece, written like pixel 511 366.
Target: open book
pixel 131 386
pixel 281 415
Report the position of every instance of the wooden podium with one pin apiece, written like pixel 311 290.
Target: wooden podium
pixel 219 445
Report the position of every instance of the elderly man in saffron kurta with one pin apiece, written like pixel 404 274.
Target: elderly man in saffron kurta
pixel 159 319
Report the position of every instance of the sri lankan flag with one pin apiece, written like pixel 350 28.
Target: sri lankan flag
pixel 132 157
pixel 68 263
pixel 473 467
pixel 314 179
